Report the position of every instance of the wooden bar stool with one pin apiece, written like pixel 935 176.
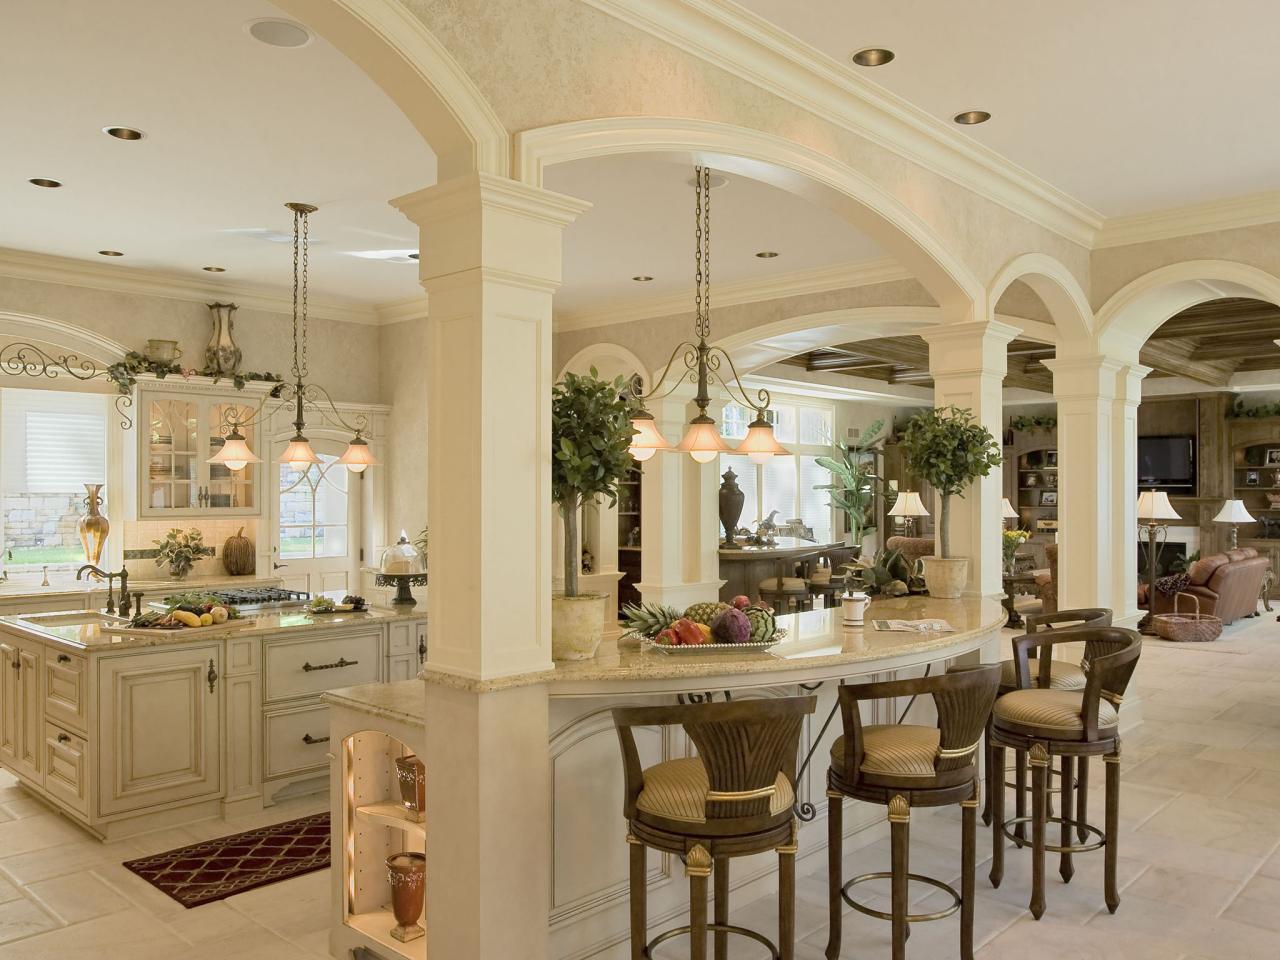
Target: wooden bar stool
pixel 732 800
pixel 1044 723
pixel 787 587
pixel 907 765
pixel 1062 675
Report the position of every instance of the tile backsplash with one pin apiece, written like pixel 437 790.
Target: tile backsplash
pixel 140 537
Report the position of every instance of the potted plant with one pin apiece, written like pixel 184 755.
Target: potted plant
pixel 853 480
pixel 948 449
pixel 590 433
pixel 180 551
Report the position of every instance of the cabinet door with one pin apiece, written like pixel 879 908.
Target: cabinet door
pixel 171 456
pixel 10 708
pixel 30 740
pixel 159 728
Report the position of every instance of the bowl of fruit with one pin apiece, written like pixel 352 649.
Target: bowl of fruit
pixel 736 627
pixel 186 611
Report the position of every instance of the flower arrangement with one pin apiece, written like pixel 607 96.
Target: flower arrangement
pixel 179 551
pixel 1010 542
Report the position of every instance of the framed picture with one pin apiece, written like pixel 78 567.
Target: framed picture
pixel 1251 478
pixel 1051 458
pixel 1273 458
pixel 1048 498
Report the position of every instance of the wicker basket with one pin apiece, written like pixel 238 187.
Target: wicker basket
pixel 1187 627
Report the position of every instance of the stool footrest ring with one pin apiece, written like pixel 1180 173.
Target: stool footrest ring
pixel 686 930
pixel 1013 784
pixel 1058 848
pixel 911 917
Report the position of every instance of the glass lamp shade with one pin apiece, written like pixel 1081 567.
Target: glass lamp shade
pixel 760 444
pixel 299 453
pixel 358 457
pixel 702 440
pixel 648 439
pixel 1233 511
pixel 1007 511
pixel 908 504
pixel 1155 505
pixel 235 453
pixel 402 557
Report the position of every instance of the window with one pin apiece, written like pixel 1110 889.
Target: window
pixel 815 427
pixel 734 421
pixel 313 510
pixel 54 443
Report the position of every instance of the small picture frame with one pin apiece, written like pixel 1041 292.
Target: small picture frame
pixel 1252 478
pixel 1048 498
pixel 1051 459
pixel 1272 458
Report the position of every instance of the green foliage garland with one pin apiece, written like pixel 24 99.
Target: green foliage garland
pixel 1239 411
pixel 124 374
pixel 1029 424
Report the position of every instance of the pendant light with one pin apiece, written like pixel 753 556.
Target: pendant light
pixel 235 453
pixel 703 365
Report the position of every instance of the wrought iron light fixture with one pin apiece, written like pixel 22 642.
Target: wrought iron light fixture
pixel 303 396
pixel 703 365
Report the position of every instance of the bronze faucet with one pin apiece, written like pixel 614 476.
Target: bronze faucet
pixel 101 574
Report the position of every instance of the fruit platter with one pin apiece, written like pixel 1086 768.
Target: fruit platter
pixel 188 612
pixel 735 627
pixel 349 604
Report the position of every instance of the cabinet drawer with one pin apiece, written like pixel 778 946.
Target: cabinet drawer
pixel 308 666
pixel 65 777
pixel 66 689
pixel 295 740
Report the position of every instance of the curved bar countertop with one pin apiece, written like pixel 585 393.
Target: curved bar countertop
pixel 818 647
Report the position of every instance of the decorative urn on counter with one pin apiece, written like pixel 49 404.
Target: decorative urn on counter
pixel 402 565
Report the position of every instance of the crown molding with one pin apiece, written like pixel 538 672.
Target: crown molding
pixel 46 268
pixel 839 276
pixel 398 311
pixel 749 47
pixel 1229 214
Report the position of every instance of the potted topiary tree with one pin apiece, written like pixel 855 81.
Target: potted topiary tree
pixel 853 480
pixel 948 449
pixel 590 432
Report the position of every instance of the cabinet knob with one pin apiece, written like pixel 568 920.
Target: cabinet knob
pixel 63 658
pixel 17 663
pixel 63 738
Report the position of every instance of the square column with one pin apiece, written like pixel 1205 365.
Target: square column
pixel 968 362
pixel 491 260
pixel 1124 486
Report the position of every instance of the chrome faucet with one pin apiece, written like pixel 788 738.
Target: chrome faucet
pixel 101 574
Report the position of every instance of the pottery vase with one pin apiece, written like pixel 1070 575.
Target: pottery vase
pixel 577 625
pixel 222 357
pixel 731 501
pixel 412 776
pixel 945 578
pixel 406 873
pixel 93 526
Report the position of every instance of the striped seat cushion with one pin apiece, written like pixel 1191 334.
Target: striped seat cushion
pixel 1062 675
pixel 789 585
pixel 677 790
pixel 1055 710
pixel 894 750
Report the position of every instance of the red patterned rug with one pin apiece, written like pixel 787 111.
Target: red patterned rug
pixel 216 869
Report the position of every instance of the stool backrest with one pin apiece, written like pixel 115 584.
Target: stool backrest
pixel 1064 620
pixel 1110 657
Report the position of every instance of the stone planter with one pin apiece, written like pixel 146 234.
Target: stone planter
pixel 577 625
pixel 945 578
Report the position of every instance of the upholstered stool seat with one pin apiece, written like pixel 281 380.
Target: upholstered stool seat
pixel 894 750
pixel 679 789
pixel 789 585
pixel 1056 711
pixel 1063 675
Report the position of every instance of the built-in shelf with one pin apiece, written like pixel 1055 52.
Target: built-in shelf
pixel 391 814
pixel 377 925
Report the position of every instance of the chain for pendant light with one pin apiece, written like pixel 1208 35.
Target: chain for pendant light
pixel 301 244
pixel 702 251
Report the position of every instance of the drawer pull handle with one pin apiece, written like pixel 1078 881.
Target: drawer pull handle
pixel 309 740
pixel 63 738
pixel 63 658
pixel 336 665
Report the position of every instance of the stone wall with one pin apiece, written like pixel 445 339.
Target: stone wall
pixel 41 519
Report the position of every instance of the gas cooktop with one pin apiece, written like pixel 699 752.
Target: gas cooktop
pixel 250 599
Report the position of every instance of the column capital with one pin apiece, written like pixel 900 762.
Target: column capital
pixel 467 193
pixel 967 331
pixel 969 349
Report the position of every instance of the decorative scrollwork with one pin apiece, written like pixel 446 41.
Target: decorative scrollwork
pixel 26 359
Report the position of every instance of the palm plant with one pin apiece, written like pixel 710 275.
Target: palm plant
pixel 853 478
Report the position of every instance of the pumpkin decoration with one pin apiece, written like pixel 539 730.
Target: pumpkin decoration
pixel 238 555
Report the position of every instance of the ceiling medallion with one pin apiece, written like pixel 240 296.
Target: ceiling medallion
pixel 705 366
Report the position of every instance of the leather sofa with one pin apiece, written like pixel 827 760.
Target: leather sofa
pixel 911 548
pixel 1226 584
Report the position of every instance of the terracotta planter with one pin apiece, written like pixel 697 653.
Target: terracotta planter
pixel 577 625
pixel 411 774
pixel 407 874
pixel 945 578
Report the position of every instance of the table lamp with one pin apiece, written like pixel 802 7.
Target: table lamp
pixel 1154 510
pixel 1234 513
pixel 1007 511
pixel 908 506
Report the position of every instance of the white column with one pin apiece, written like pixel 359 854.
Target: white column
pixel 968 362
pixel 1124 487
pixel 490 263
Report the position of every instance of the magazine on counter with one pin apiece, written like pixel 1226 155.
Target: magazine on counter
pixel 913 626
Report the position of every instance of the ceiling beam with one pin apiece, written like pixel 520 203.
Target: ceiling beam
pixel 1225 348
pixel 1175 357
pixel 1268 326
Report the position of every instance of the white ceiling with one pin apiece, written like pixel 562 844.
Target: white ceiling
pixel 234 129
pixel 1127 106
pixel 642 223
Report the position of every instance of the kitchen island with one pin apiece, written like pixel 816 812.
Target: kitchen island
pixel 131 732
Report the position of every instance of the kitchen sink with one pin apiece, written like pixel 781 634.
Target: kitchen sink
pixel 71 618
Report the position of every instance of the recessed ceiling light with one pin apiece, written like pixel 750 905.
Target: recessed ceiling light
pixel 215 269
pixel 716 181
pixel 123 133
pixel 970 117
pixel 413 256
pixel 767 254
pixel 873 57
pixel 110 253
pixel 275 32
pixel 641 278
pixel 45 182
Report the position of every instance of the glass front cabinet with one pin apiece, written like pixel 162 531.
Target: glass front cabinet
pixel 179 432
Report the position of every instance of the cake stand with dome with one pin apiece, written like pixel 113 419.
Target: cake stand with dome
pixel 403 565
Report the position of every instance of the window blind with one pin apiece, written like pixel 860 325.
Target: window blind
pixel 815 508
pixel 65 451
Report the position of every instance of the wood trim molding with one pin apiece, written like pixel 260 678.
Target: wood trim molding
pixel 1229 214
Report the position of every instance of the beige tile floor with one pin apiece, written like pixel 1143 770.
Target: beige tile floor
pixel 1199 855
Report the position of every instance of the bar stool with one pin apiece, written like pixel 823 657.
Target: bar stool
pixel 786 587
pixel 907 765
pixel 1044 723
pixel 732 800
pixel 1063 675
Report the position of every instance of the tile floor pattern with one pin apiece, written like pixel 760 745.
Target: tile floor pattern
pixel 1199 855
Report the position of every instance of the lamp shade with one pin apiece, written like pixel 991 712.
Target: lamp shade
pixel 234 453
pixel 908 504
pixel 299 453
pixel 647 438
pixel 1007 511
pixel 760 444
pixel 1155 505
pixel 702 440
pixel 1233 511
pixel 358 457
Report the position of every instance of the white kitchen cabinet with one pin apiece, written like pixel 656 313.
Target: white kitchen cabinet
pixel 407 651
pixel 10 701
pixel 21 717
pixel 159 728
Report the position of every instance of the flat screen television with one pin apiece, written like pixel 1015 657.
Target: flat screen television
pixel 1167 463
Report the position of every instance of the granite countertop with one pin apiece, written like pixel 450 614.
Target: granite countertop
pixel 60 585
pixel 784 547
pixel 403 700
pixel 818 646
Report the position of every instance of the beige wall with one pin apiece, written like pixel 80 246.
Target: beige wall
pixel 403 355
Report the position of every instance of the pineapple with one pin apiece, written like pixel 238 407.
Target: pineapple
pixel 648 619
pixel 704 613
